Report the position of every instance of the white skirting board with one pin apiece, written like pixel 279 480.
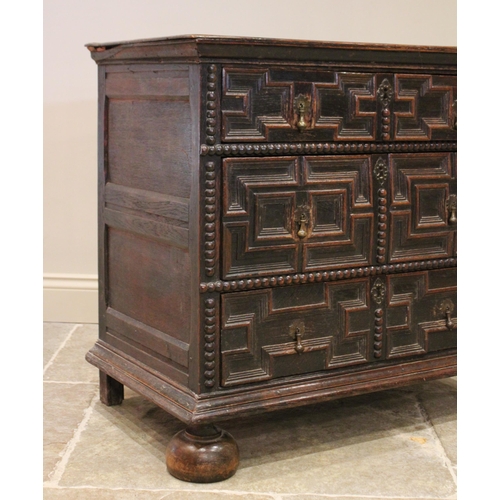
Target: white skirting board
pixel 70 298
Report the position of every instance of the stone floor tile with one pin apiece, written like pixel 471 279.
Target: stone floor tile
pixel 343 447
pixel 99 494
pixel 121 494
pixel 70 365
pixel 439 402
pixel 357 497
pixel 54 334
pixel 123 447
pixel 63 410
pixel 216 495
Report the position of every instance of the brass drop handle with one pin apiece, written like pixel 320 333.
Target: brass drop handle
pixel 301 124
pixel 296 331
pixel 302 214
pixel 302 106
pixel 446 308
pixel 449 322
pixel 453 217
pixel 298 337
pixel 451 206
pixel 302 232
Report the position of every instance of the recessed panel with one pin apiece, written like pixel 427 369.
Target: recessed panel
pixel 424 107
pixel 259 200
pixel 274 216
pixel 139 154
pixel 420 221
pixel 260 104
pixel 146 281
pixel 290 330
pixel 421 312
pixel 329 212
pixel 431 205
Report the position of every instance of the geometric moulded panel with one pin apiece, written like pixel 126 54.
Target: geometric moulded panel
pixel 420 223
pixel 289 215
pixel 421 312
pixel 258 340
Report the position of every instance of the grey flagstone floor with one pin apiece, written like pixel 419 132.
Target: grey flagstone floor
pixel 397 444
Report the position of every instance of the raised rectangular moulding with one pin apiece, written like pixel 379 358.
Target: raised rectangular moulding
pixel 277 227
pixel 273 104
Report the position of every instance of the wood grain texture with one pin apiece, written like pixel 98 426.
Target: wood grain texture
pixel 258 104
pixel 205 47
pixel 257 341
pixel 202 454
pixel 147 281
pixel 147 226
pixel 416 312
pixel 272 395
pixel 262 198
pixel 418 218
pixel 256 254
pixel 172 208
pixel 138 154
pixel 155 340
pixel 110 390
pixel 148 82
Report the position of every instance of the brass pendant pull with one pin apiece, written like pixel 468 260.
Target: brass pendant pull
pixel 302 105
pixel 451 206
pixel 296 331
pixel 302 219
pixel 302 233
pixel 301 124
pixel 449 322
pixel 446 308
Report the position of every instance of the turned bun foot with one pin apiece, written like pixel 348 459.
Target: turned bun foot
pixel 202 454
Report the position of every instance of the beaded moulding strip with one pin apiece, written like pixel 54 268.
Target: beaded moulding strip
pixel 211 104
pixel 322 148
pixel 210 223
pixel 385 94
pixel 378 332
pixel 210 328
pixel 294 279
pixel 380 172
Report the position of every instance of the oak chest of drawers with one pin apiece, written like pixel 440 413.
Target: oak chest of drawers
pixel 277 226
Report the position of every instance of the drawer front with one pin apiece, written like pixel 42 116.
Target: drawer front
pixel 421 312
pixel 285 215
pixel 423 206
pixel 271 104
pixel 292 330
pixel 314 327
pixel 296 214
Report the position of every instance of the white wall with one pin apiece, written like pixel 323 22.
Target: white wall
pixel 70 97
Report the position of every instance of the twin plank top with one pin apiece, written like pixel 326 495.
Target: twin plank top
pixel 197 48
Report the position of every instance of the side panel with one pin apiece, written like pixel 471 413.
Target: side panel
pixel 146 188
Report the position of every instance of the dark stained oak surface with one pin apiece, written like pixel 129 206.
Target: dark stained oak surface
pixel 277 226
pixel 194 47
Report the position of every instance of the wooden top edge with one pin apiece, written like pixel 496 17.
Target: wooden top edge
pixel 197 48
pixel 282 42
